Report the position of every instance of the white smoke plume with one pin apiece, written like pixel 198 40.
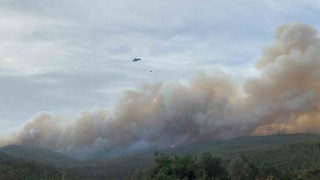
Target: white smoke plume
pixel 284 98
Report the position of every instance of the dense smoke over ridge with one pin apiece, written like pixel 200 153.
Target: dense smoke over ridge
pixel 282 99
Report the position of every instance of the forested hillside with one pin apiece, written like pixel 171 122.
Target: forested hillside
pixel 295 156
pixel 20 169
pixel 36 154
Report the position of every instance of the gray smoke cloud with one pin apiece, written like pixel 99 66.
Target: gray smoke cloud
pixel 282 99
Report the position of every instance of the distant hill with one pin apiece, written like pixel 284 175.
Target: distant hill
pixel 37 154
pixel 260 149
pixel 256 145
pixel 218 148
pixel 223 148
pixel 18 168
pixel 228 148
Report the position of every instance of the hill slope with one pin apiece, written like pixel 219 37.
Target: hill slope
pixel 38 154
pixel 219 148
pixel 293 152
pixel 18 168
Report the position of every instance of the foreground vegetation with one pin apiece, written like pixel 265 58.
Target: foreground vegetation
pixel 270 157
pixel 300 160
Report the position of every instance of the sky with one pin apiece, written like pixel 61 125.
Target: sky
pixel 67 57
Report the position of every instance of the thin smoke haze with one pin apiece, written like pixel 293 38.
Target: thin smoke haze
pixel 283 98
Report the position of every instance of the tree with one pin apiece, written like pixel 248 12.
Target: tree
pixel 162 168
pixel 241 169
pixel 183 167
pixel 210 168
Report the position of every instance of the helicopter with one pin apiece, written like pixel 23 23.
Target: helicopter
pixel 136 59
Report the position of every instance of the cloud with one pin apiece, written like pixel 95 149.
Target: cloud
pixel 78 35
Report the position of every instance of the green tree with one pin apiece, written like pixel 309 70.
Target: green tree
pixel 162 168
pixel 184 167
pixel 241 169
pixel 211 168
